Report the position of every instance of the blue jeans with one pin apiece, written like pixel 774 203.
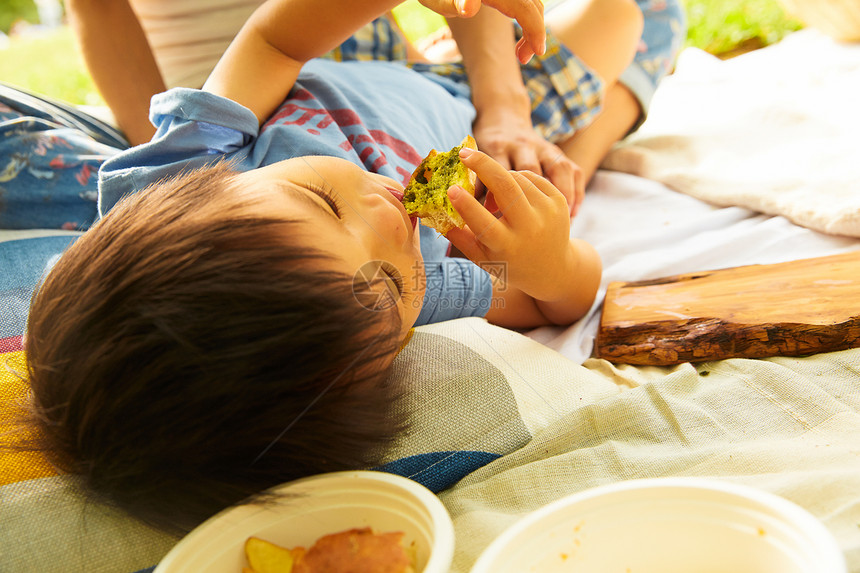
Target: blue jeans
pixel 663 35
pixel 50 155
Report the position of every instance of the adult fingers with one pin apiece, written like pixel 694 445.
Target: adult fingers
pixel 524 50
pixel 526 158
pixel 529 14
pixel 561 171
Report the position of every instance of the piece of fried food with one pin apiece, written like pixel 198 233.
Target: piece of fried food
pixel 357 551
pixel 426 195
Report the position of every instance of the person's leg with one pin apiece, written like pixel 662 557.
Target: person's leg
pixel 589 145
pixel 629 90
pixel 604 34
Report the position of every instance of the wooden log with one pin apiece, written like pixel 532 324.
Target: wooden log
pixel 786 309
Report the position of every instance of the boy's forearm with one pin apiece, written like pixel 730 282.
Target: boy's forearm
pixel 262 63
pixel 573 288
pixel 579 284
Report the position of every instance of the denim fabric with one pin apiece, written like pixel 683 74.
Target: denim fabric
pixel 50 154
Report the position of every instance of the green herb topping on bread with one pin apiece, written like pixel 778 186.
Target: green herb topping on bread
pixel 426 195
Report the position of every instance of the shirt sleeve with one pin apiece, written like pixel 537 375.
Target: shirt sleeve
pixel 193 129
pixel 456 288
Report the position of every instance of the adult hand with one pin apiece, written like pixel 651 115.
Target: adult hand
pixel 509 138
pixel 529 14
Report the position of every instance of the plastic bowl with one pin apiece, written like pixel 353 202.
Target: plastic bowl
pixel 666 525
pixel 315 506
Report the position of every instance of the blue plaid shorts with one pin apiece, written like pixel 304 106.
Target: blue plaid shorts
pixel 662 39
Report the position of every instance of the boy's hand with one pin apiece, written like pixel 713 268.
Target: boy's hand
pixel 532 235
pixel 529 14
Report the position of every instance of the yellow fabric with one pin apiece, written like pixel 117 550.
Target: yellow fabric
pixel 16 466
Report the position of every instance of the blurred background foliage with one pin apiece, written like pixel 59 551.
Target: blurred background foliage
pixel 728 27
pixel 14 10
pixel 45 60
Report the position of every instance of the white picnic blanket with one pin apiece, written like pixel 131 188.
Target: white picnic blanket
pixel 775 130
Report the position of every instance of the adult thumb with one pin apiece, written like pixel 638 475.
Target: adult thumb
pixel 453 8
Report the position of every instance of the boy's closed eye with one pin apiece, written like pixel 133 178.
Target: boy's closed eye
pixel 328 195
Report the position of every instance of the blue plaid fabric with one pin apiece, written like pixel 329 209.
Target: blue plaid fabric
pixel 565 93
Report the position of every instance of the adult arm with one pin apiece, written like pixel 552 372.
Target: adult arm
pixel 120 61
pixel 503 126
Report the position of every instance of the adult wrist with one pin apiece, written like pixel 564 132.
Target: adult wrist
pixel 502 105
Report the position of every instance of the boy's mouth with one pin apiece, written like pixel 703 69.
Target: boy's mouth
pixel 399 196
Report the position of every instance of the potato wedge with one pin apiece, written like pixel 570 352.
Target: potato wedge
pixel 266 557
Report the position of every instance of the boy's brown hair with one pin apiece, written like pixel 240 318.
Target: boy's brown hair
pixel 184 354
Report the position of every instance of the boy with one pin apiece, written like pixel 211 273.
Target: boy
pixel 210 336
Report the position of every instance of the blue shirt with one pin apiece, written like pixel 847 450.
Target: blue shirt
pixel 381 116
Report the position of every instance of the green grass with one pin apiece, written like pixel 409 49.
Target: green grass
pixel 12 11
pixel 50 64
pixel 416 20
pixel 729 26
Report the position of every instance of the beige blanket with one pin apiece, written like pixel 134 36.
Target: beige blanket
pixel 775 130
pixel 789 426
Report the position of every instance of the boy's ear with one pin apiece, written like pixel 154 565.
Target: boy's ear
pixel 374 286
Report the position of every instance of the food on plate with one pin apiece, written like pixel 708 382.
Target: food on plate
pixel 266 557
pixel 354 551
pixel 426 195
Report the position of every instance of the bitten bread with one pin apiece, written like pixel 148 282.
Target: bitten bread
pixel 426 195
